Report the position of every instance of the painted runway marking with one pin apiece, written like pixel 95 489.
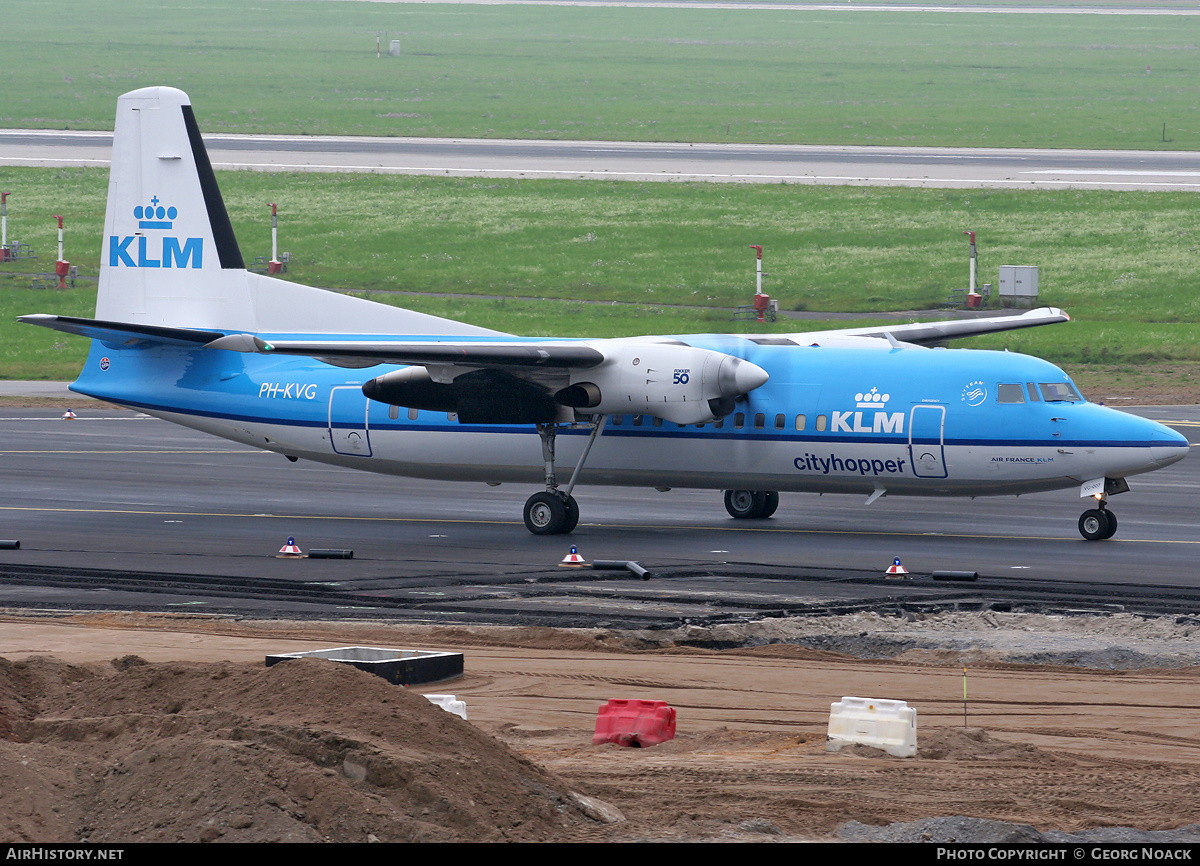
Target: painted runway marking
pixel 779 530
pixel 137 451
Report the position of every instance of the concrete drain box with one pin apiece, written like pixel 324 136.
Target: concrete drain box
pixel 399 667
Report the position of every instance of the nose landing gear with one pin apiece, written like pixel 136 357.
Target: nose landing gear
pixel 1097 524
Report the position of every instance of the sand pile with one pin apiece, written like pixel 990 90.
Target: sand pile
pixel 304 751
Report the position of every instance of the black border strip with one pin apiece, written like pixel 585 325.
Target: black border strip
pixel 218 218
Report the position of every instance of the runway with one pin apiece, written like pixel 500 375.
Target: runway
pixel 651 161
pixel 143 500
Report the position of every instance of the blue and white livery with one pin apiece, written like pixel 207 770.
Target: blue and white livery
pixel 184 332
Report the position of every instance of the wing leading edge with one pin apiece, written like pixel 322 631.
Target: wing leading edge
pixel 926 333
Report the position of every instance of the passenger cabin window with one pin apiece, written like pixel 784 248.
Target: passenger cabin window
pixel 780 421
pixel 637 420
pixel 393 412
pixel 821 422
pixel 739 420
pixel 617 419
pixel 1059 392
pixel 800 421
pixel 1010 394
pixel 657 422
pixel 760 421
pixel 719 423
pixel 412 414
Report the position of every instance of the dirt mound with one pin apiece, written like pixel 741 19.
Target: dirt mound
pixel 975 744
pixel 307 750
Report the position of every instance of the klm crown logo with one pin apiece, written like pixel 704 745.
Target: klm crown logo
pixel 879 421
pixel 871 399
pixel 155 216
pixel 166 251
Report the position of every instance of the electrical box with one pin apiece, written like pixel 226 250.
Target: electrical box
pixel 1018 283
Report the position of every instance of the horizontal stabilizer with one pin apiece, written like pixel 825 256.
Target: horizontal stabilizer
pixel 122 333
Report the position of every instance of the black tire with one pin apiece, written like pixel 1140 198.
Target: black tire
pixel 771 502
pixel 1112 524
pixel 572 516
pixel 1094 523
pixel 745 504
pixel 546 514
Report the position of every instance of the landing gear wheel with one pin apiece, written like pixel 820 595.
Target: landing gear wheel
pixel 1112 524
pixel 746 504
pixel 1096 524
pixel 771 502
pixel 572 516
pixel 547 514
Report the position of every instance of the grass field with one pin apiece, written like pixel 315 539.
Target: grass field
pixel 305 66
pixel 1123 264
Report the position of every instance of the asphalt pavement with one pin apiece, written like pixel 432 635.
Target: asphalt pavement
pixel 141 502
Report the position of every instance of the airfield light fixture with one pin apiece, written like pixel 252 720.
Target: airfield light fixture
pixel 274 266
pixel 62 266
pixel 974 258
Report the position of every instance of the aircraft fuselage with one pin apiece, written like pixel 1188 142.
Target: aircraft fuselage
pixel 895 421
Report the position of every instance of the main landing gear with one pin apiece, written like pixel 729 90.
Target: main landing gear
pixel 554 511
pixel 751 504
pixel 1097 524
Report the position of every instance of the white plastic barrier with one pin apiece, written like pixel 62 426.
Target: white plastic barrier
pixel 449 704
pixel 884 724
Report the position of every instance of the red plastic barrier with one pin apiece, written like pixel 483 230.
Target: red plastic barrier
pixel 634 723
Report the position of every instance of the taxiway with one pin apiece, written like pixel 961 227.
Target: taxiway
pixel 141 502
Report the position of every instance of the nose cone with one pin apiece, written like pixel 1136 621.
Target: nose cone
pixel 739 377
pixel 1167 446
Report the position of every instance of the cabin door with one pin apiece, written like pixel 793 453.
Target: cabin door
pixel 348 433
pixel 926 426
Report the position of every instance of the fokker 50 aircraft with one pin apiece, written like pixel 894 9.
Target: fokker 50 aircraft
pixel 184 332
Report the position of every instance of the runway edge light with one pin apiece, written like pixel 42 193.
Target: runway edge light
pixel 573 559
pixel 896 569
pixel 290 550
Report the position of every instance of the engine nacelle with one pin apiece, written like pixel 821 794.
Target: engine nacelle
pixel 476 396
pixel 682 384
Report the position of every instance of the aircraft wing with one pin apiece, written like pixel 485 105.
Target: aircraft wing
pixel 534 381
pixel 459 353
pixel 924 333
pixel 578 354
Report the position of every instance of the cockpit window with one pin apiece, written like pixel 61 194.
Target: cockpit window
pixel 1059 392
pixel 1010 394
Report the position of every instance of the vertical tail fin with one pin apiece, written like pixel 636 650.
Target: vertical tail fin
pixel 170 258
